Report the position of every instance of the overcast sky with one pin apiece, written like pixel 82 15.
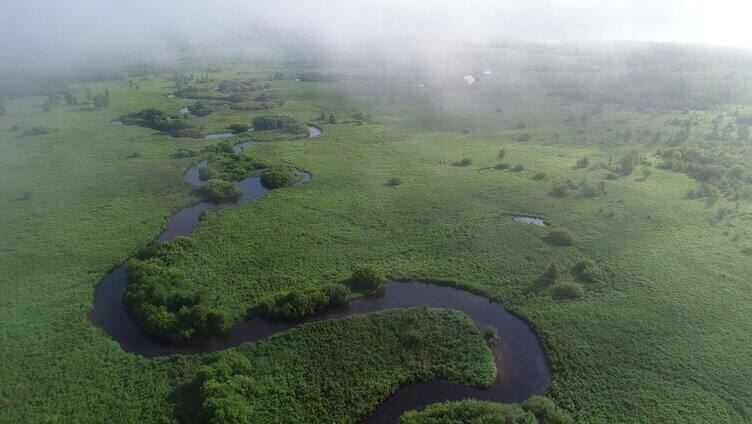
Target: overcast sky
pixel 50 31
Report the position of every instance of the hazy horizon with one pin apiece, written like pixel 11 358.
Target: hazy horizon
pixel 38 34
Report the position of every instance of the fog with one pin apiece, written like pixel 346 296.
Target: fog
pixel 54 33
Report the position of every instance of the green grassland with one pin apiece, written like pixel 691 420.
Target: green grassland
pixel 660 336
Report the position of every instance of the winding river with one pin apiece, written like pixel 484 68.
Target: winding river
pixel 522 369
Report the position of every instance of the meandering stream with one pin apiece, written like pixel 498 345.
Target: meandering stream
pixel 520 361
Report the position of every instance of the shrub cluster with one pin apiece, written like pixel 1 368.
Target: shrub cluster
pixel 216 189
pixel 463 162
pixel 155 119
pixel 163 300
pixel 185 153
pixel 230 166
pixel 535 410
pixel 238 128
pixel 285 123
pixel 35 131
pixel 570 290
pixel 367 278
pixel 277 176
pixel 199 109
pixel 301 303
pixel 585 271
pixel 393 182
pixel 558 239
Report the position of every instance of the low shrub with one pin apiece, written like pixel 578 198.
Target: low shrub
pixel 585 271
pixel 501 165
pixel 518 168
pixel 237 128
pixel 297 304
pixel 35 131
pixel 367 278
pixel 502 153
pixel 199 109
pixel 230 166
pixel 561 190
pixel 393 182
pixel 463 162
pixel 177 126
pixel 285 123
pixel 278 176
pixel 583 162
pixel 540 175
pixel 558 239
pixel 185 153
pixel 535 410
pixel 490 335
pixel 217 189
pixel 570 290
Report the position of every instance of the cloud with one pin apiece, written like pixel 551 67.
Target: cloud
pixel 43 33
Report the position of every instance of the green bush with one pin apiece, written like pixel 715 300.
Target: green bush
pixel 199 109
pixel 237 128
pixel 463 162
pixel 155 119
pixel 501 165
pixel 490 335
pixel 518 168
pixel 217 189
pixel 540 175
pixel 583 162
pixel 561 190
pixel 230 166
pixel 185 153
pixel 285 123
pixel 35 131
pixel 536 410
pixel 570 290
pixel 278 176
pixel 546 411
pixel 297 304
pixel 162 299
pixel 393 182
pixel 558 238
pixel 367 278
pixel 585 270
pixel 502 153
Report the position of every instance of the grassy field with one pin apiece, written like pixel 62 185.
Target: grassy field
pixel 659 337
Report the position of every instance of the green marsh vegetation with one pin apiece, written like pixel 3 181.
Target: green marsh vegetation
pixel 536 410
pixel 659 336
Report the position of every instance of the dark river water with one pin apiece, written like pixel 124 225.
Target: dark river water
pixel 522 369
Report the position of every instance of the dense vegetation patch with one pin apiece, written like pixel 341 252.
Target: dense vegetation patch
pixel 339 370
pixel 367 278
pixel 570 290
pixel 230 166
pixel 277 176
pixel 536 410
pixel 558 238
pixel 177 126
pixel 304 302
pixel 217 189
pixel 160 297
pixel 285 123
pixel 199 109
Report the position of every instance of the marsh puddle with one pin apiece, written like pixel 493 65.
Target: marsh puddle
pixel 218 136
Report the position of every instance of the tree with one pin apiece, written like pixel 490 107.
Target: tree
pixel 70 98
pixel 47 105
pixel 101 100
pixel 502 153
pixel 322 118
pixel 332 118
pixel 360 116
